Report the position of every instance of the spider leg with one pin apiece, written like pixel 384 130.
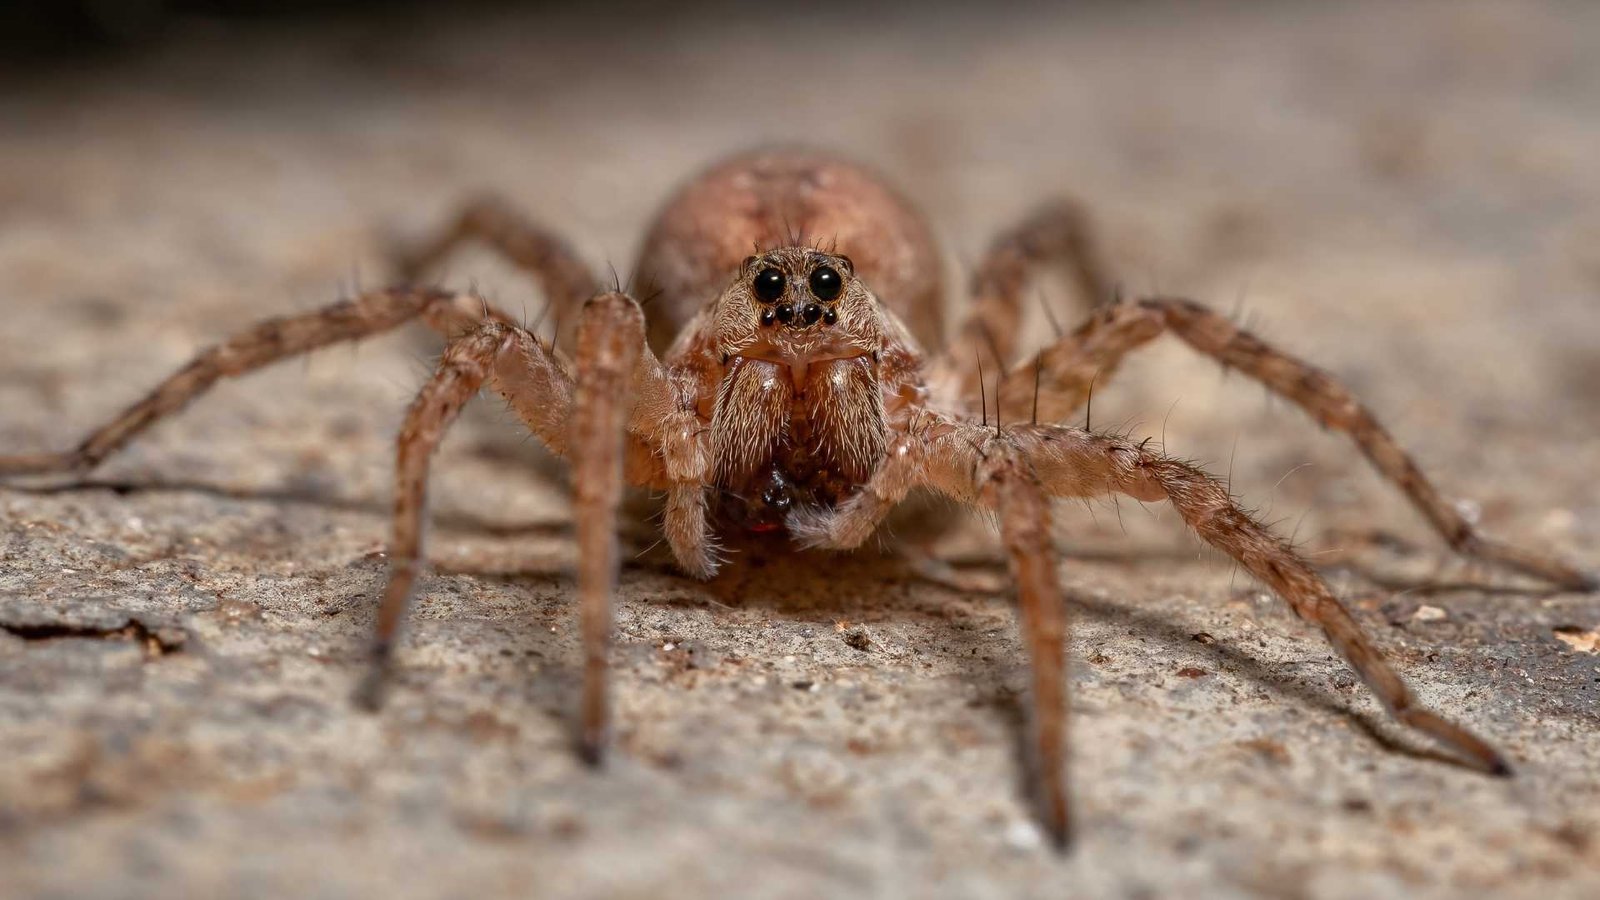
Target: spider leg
pixel 1071 462
pixel 1057 233
pixel 465 366
pixel 261 345
pixel 617 421
pixel 1014 470
pixel 533 249
pixel 1001 479
pixel 1012 490
pixel 610 344
pixel 1065 371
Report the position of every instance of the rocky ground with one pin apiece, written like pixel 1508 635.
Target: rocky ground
pixel 1404 194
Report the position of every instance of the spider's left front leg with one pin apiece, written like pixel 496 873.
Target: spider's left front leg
pixel 1015 471
pixel 1001 479
pixel 1072 462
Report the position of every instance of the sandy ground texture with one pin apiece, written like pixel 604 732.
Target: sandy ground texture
pixel 1405 194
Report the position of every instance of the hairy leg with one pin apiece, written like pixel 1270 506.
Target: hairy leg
pixel 466 365
pixel 1071 462
pixel 994 467
pixel 1003 481
pixel 610 344
pixel 1012 490
pixel 259 346
pixel 1057 381
pixel 566 281
pixel 608 421
pixel 1056 234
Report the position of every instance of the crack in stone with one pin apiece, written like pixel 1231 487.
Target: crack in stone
pixel 156 643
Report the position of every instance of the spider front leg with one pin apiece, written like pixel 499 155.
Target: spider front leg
pixel 1056 382
pixel 1070 462
pixel 629 423
pixel 1001 480
pixel 1014 471
pixel 618 421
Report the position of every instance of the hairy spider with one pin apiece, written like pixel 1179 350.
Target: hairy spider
pixel 792 397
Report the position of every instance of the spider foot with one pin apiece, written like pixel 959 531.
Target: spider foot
pixel 374 686
pixel 592 749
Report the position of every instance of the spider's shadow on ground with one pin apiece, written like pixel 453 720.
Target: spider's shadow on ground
pixel 763 576
pixel 883 586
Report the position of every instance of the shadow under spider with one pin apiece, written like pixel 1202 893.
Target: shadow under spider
pixel 764 576
pixel 1385 733
pixel 881 588
pixel 444 520
pixel 469 524
pixel 1430 587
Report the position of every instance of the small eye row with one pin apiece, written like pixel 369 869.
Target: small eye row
pixel 824 284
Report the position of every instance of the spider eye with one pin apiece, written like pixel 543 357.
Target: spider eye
pixel 768 284
pixel 825 283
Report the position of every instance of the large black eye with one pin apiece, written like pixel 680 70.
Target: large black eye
pixel 769 284
pixel 825 283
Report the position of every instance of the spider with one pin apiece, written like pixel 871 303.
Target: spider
pixel 785 393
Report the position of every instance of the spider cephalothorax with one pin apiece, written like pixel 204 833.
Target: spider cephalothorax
pixel 798 416
pixel 794 399
pixel 799 288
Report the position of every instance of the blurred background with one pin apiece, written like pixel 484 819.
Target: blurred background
pixel 1405 194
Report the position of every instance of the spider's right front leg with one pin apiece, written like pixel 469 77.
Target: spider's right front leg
pixel 624 396
pixel 536 385
pixel 619 420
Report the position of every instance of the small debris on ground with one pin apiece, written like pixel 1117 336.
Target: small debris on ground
pixel 858 638
pixel 1583 641
pixel 1268 749
pixel 1023 835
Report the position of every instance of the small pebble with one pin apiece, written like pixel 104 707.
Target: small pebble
pixel 1023 835
pixel 1429 614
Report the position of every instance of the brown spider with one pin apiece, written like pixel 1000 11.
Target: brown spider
pixel 792 397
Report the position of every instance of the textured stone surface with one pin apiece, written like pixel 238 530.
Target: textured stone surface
pixel 1404 194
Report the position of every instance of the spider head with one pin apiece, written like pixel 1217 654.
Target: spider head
pixel 798 303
